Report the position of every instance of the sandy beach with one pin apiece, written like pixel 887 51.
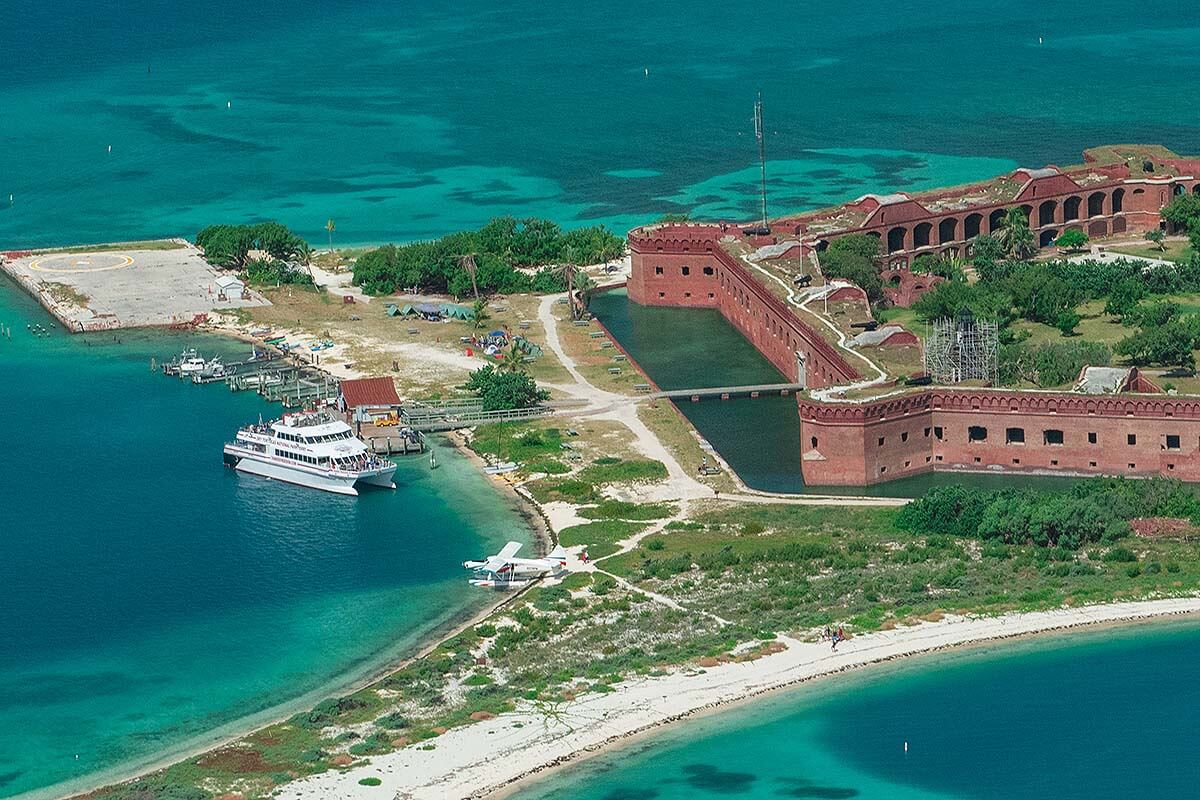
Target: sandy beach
pixel 495 757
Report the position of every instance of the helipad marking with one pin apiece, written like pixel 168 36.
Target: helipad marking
pixel 78 266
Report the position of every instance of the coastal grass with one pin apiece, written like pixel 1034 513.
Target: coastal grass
pixel 618 509
pixel 583 487
pixel 794 568
pixel 676 433
pixel 765 568
pixel 68 295
pixel 600 537
pixel 109 247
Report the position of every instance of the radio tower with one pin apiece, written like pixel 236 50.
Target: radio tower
pixel 762 156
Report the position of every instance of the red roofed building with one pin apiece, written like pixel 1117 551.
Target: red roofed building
pixel 369 393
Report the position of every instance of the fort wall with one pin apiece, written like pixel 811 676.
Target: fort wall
pixel 685 266
pixel 999 431
pixel 855 444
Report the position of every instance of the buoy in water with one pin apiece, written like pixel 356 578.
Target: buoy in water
pixel 110 148
pixel 906 747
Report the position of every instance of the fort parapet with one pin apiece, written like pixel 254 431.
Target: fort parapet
pixel 1118 189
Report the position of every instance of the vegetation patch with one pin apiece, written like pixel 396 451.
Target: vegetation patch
pixel 608 531
pixel 617 509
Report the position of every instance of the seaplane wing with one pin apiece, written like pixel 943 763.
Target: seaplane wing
pixel 499 561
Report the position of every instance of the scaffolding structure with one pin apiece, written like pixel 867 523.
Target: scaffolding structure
pixel 961 349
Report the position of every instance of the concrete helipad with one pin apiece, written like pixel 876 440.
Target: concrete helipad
pixel 124 288
pixel 68 264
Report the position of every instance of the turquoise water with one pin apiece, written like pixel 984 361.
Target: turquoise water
pixel 1091 716
pixel 409 120
pixel 151 596
pixel 682 348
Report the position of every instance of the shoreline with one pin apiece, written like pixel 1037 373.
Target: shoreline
pixel 541 536
pixel 424 644
pixel 495 759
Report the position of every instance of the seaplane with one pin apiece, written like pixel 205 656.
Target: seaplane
pixel 505 571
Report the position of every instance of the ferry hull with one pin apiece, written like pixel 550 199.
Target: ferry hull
pixel 281 472
pixel 339 484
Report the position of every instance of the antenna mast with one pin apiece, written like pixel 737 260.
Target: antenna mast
pixel 762 155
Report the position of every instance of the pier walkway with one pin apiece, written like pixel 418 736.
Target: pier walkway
pixel 454 414
pixel 726 392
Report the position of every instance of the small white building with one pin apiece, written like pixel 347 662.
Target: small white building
pixel 230 285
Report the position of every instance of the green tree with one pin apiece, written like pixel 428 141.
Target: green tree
pixel 986 250
pixel 513 360
pixel 1067 322
pixel 330 227
pixel 1124 297
pixel 1183 211
pixel 1072 240
pixel 226 245
pixel 568 269
pixel 855 258
pixel 1015 236
pixel 503 390
pixel 1157 238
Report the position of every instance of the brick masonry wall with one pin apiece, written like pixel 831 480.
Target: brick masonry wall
pixel 1000 431
pixel 685 267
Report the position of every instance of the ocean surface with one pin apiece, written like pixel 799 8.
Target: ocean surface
pixel 151 596
pixel 408 120
pixel 1100 715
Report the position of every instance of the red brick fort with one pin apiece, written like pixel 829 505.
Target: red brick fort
pixel 848 441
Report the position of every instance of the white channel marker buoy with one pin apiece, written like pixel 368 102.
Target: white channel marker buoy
pixel 229 104
pixel 906 747
pixel 110 148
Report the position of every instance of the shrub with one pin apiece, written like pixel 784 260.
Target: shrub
pixel 1120 555
pixel 393 721
pixel 369 782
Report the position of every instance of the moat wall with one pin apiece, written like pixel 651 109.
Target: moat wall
pixel 684 266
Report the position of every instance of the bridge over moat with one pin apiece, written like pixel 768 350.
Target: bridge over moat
pixel 727 392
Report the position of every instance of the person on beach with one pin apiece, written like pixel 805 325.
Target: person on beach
pixel 825 637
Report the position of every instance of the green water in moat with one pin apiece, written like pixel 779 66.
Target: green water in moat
pixel 683 348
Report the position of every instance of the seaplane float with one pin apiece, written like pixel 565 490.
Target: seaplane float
pixel 505 571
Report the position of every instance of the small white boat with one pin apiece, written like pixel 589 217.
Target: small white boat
pixel 503 468
pixel 212 371
pixel 192 365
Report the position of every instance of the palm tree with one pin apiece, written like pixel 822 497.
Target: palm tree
pixel 330 226
pixel 480 317
pixel 567 269
pixel 513 360
pixel 1015 236
pixel 586 287
pixel 467 262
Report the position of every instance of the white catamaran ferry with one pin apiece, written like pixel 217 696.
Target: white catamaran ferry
pixel 309 449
